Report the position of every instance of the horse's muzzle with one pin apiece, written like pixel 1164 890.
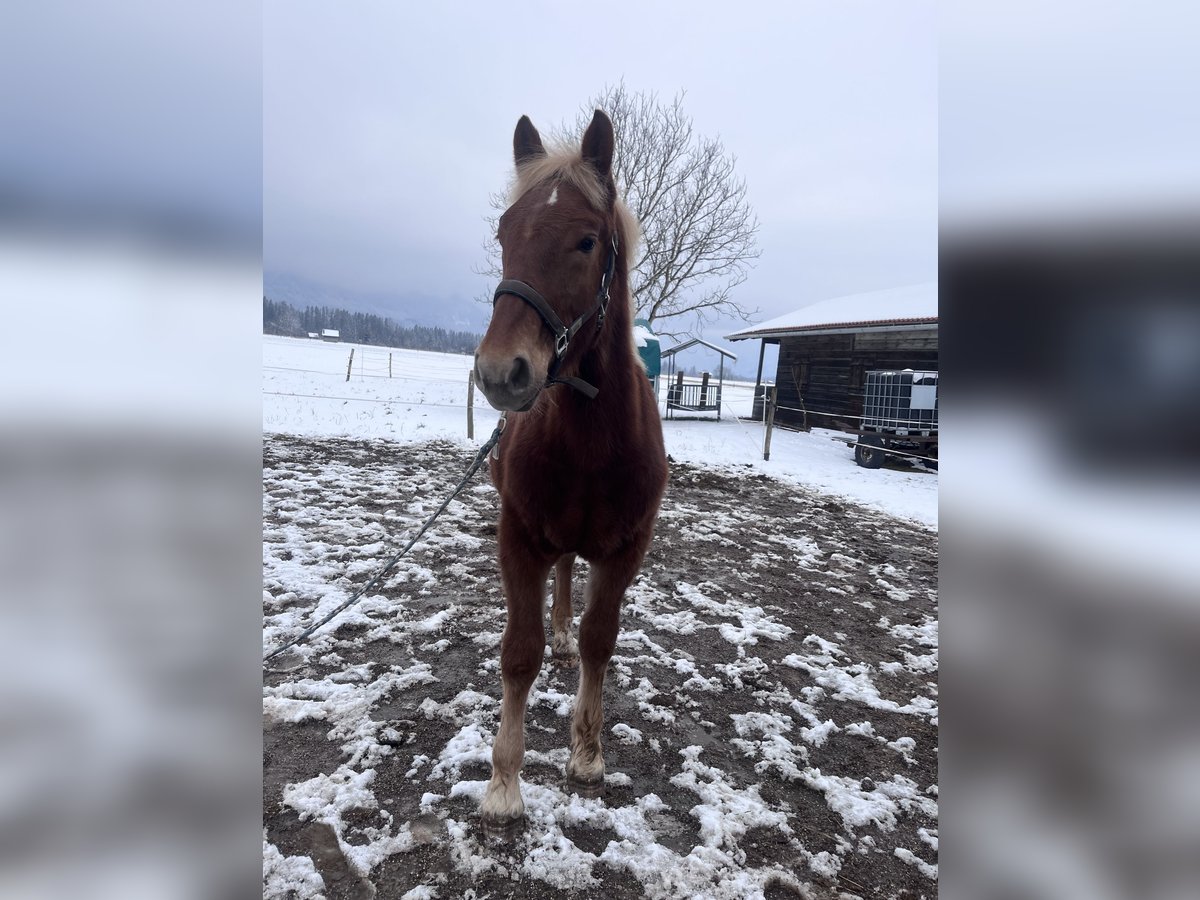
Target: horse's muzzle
pixel 508 384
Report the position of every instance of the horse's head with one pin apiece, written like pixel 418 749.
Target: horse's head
pixel 557 238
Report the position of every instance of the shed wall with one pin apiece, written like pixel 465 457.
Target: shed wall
pixel 824 374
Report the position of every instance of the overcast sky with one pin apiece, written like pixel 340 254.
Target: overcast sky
pixel 386 126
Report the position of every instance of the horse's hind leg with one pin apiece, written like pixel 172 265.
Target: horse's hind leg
pixel 563 649
pixel 521 652
pixel 597 640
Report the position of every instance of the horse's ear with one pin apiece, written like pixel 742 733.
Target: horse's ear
pixel 598 143
pixel 527 143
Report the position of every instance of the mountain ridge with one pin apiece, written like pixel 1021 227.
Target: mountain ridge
pixel 456 314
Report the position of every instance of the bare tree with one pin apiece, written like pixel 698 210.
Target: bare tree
pixel 699 234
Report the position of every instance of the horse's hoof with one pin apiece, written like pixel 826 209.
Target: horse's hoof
pixel 565 660
pixel 587 789
pixel 502 830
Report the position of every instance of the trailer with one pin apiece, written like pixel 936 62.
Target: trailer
pixel 900 417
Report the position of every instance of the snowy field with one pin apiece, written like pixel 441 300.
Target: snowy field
pixel 771 709
pixel 306 393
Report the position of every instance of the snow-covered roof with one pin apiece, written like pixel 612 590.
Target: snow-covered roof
pixel 330 332
pixel 913 305
pixel 642 335
pixel 696 341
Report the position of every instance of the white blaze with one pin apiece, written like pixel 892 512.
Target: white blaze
pixel 553 197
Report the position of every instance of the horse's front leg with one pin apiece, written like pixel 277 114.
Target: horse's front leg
pixel 524 575
pixel 563 649
pixel 597 640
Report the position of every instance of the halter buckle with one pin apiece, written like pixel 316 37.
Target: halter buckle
pixel 560 343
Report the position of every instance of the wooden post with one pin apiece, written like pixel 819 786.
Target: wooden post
pixel 704 391
pixel 389 365
pixel 471 406
pixel 773 395
pixel 720 386
pixel 350 365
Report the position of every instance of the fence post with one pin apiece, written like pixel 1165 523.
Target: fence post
pixel 471 406
pixel 350 365
pixel 678 389
pixel 773 395
pixel 389 365
pixel 704 391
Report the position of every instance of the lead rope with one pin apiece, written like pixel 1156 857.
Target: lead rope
pixel 471 470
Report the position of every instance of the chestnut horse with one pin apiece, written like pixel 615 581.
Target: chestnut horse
pixel 580 468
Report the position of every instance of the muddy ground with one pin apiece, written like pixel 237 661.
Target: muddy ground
pixel 756 597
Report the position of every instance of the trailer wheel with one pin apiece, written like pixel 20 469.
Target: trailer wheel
pixel 869 452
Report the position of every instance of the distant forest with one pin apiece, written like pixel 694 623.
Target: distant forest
pixel 362 328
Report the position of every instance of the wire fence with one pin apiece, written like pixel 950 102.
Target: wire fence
pixel 380 365
pixel 396 402
pixel 370 374
pixel 734 414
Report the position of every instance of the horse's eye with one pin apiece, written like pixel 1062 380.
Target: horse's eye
pixel 587 245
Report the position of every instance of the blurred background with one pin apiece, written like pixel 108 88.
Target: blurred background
pixel 130 235
pixel 130 270
pixel 1070 478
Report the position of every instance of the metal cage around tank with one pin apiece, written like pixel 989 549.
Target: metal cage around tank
pixel 902 403
pixel 900 417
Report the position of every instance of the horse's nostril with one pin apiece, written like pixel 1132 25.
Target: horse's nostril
pixel 519 377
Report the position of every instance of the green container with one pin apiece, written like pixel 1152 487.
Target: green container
pixel 647 345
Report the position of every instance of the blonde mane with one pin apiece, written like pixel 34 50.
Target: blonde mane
pixel 563 164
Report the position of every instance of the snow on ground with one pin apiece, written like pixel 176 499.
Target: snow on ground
pixel 305 392
pixel 770 711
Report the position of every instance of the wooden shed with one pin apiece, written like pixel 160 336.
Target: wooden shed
pixel 826 349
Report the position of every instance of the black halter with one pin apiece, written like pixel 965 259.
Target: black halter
pixel 564 333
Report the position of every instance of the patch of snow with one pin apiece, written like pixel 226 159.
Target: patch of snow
pixel 763 735
pixel 877 805
pixel 929 836
pixel 866 729
pixel 326 797
pixel 417 763
pixel 825 865
pixel 725 813
pixel 851 681
pixel 817 735
pixel 470 745
pixel 926 869
pixel 753 622
pixel 905 747
pixel 289 876
pixel 627 735
pixel 346 706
